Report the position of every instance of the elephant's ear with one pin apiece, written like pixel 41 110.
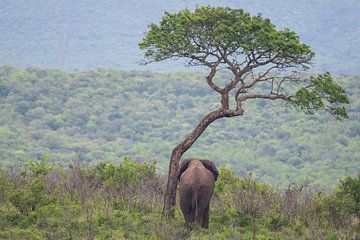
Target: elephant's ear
pixel 182 167
pixel 209 165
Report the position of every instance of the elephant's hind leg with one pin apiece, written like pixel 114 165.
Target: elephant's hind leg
pixel 192 215
pixel 202 217
pixel 186 206
pixel 205 222
pixel 202 211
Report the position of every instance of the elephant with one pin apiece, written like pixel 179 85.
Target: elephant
pixel 197 181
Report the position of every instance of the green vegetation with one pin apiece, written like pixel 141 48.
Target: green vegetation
pixel 90 134
pixel 104 115
pixel 124 201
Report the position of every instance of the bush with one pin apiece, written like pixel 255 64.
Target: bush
pixel 276 220
pixel 348 193
pixel 28 197
pixel 127 172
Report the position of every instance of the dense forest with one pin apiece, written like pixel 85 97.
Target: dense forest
pixel 39 200
pixel 103 115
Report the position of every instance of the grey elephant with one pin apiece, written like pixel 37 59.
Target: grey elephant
pixel 197 180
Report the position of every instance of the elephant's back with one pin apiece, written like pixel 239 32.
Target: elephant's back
pixel 198 177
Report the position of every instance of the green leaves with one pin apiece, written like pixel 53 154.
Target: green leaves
pixel 348 193
pixel 128 171
pixel 218 32
pixel 29 197
pixel 322 92
pixel 38 167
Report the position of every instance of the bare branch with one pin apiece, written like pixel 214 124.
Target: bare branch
pixel 232 65
pixel 253 59
pixel 260 77
pixel 272 86
pixel 264 96
pixel 210 77
pixel 291 78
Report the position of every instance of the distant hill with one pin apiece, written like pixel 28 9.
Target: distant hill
pixel 104 115
pixel 77 35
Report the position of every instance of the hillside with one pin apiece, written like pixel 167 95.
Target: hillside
pixel 103 115
pixel 78 35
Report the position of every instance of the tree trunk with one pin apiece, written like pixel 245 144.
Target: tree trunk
pixel 170 193
pixel 254 227
pixel 179 150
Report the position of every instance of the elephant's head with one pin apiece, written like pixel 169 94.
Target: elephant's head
pixel 209 165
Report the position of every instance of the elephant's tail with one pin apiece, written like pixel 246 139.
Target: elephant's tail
pixel 196 204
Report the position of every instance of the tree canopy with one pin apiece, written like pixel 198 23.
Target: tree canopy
pixel 251 48
pixel 232 36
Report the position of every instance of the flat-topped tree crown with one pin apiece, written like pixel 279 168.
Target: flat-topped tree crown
pixel 213 33
pixel 256 54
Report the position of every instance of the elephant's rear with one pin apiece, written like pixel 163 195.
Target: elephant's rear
pixel 197 182
pixel 196 188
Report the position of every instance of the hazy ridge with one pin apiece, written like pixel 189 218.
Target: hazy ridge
pixel 77 35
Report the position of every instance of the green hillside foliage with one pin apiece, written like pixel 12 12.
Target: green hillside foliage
pixel 103 115
pixel 124 201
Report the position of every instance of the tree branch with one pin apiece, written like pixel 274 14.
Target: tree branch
pixel 210 77
pixel 264 96
pixel 249 66
pixel 260 77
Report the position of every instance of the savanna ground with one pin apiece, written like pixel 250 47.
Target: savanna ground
pixel 124 201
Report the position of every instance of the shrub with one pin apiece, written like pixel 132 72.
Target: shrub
pixel 127 172
pixel 348 193
pixel 29 196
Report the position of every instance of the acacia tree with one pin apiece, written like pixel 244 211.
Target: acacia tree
pixel 254 52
